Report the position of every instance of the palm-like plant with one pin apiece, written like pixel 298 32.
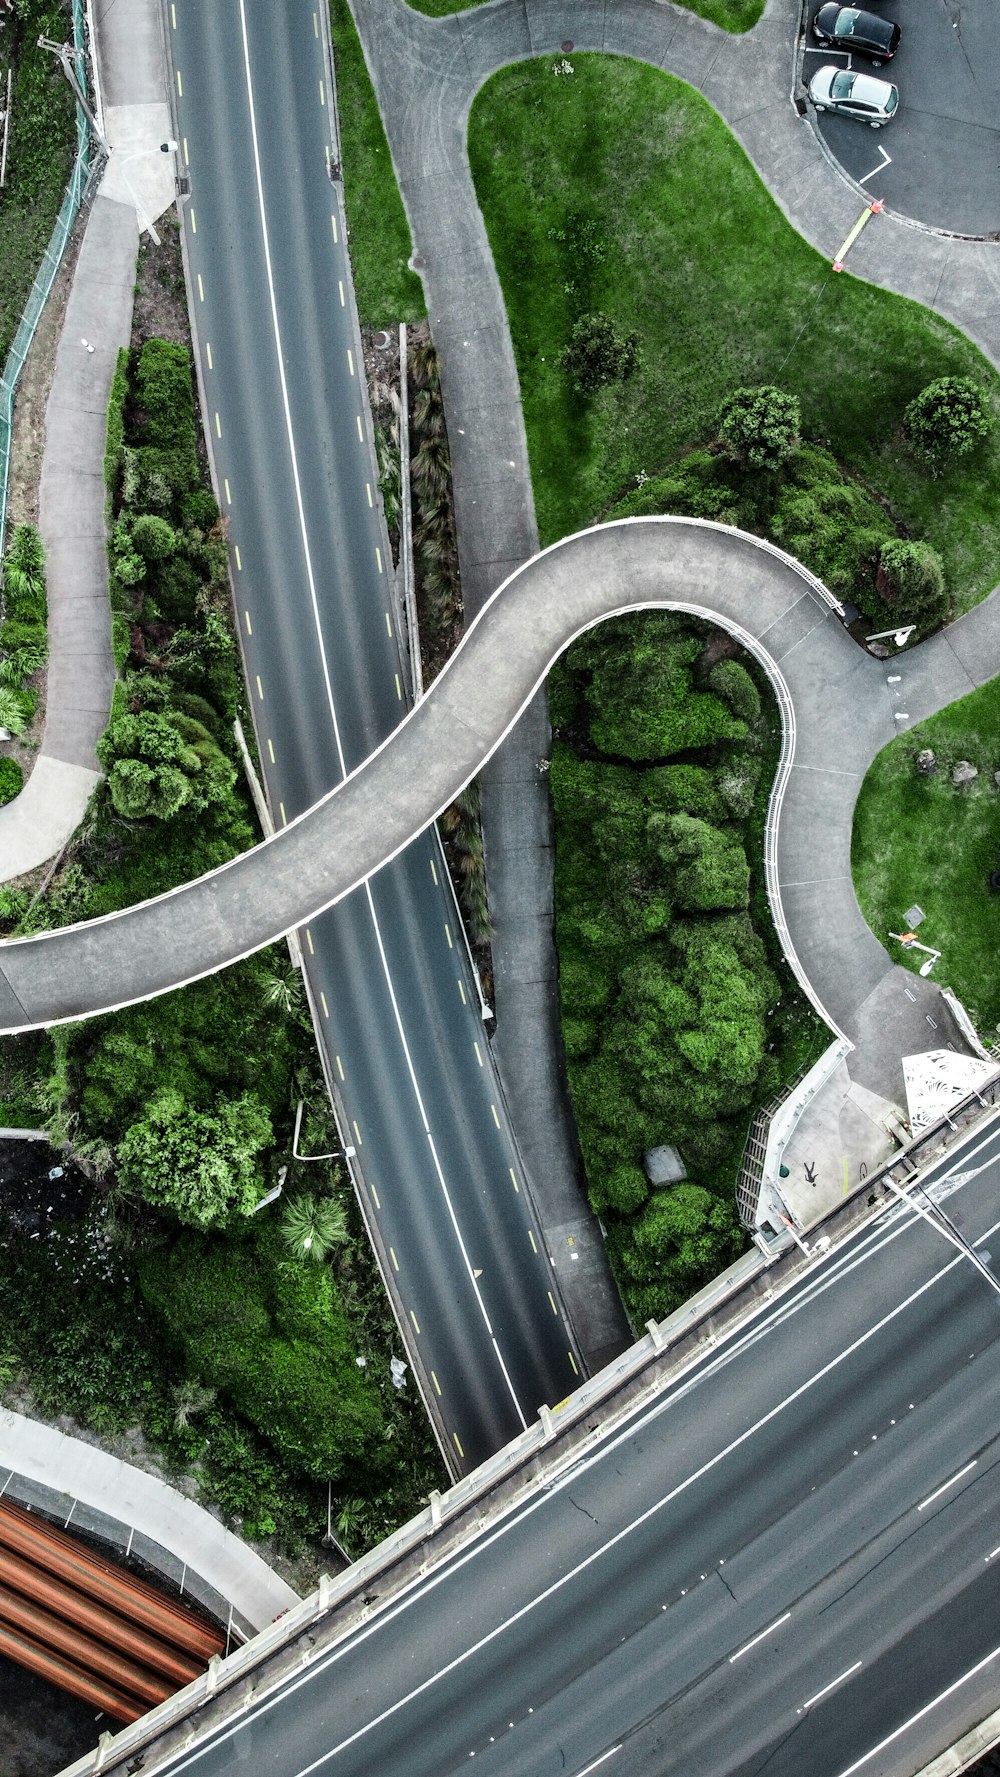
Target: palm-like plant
pixel 311 1226
pixel 191 1397
pixel 12 715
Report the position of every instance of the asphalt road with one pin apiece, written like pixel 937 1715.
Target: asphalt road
pixel 784 1564
pixel 943 145
pixel 286 410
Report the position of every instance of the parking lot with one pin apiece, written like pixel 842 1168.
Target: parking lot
pixel 938 159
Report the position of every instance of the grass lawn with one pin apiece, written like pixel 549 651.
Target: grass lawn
pixel 732 15
pixel 619 189
pixel 919 839
pixel 381 246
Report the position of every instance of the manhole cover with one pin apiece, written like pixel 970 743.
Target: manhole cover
pixel 380 341
pixel 417 262
pixel 567 46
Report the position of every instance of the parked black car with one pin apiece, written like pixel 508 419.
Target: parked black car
pixel 845 27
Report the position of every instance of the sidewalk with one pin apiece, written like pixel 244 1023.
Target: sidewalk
pixel 72 1479
pixel 81 671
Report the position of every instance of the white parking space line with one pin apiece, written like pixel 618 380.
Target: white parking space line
pixel 886 162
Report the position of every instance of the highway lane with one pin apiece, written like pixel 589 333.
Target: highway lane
pixel 288 428
pixel 775 1566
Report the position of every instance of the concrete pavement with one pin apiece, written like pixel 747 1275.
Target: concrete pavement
pixel 138 184
pixel 65 1475
pixel 766 599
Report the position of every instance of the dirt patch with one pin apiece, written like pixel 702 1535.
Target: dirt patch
pixel 28 437
pixel 161 297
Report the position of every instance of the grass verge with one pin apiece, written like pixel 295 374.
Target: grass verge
pixel 919 839
pixel 619 189
pixel 381 246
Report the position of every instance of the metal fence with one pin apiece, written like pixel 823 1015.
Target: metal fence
pixel 45 276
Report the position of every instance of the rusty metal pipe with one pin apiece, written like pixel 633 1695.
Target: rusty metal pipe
pixel 68 1677
pixel 49 1593
pixel 95 1657
pixel 37 1540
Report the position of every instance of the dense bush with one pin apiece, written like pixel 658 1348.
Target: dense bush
pixel 911 577
pixel 599 352
pixel 947 419
pixel 271 1335
pixel 11 779
pixel 671 1007
pixel 760 426
pixel 198 1164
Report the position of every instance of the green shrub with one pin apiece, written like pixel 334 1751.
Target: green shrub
pixel 11 779
pixel 947 419
pixel 760 426
pixel 911 577
pixel 736 688
pixel 599 352
pixel 200 1164
pixel 18 632
pixel 114 446
pixel 153 537
pixel 165 395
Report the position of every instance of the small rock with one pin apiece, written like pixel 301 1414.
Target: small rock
pixel 964 773
pixel 926 761
pixel 880 651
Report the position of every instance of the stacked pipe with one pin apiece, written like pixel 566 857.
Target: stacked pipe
pixel 90 1627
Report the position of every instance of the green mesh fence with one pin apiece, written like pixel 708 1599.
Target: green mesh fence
pixel 45 275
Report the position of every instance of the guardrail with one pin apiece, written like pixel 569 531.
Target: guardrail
pixel 758 1276
pixel 75 1514
pixel 76 192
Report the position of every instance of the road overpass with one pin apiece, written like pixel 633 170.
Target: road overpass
pixel 772 1550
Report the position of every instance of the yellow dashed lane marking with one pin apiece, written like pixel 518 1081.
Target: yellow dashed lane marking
pixel 447 933
pixel 270 750
pixel 378 1200
pixel 399 688
pixel 496 1119
pixel 395 1261
pixel 479 1053
pixel 378 557
pixel 218 427
pixel 357 1135
pixel 513 1180
pixel 340 1067
pixel 281 811
pixel 173 16
pixel 340 287
pixel 434 870
pixel 368 491
pixel 572 1360
pixel 315 26
pixel 322 93
pixel 229 497
pixel 531 1237
pixel 461 989
pixel 201 289
pixel 260 689
pixel 322 1001
pixel 361 432
pixel 414 1320
pixel 309 941
pixel 333 225
pixel 388 624
pixel 239 558
pixel 248 623
pixel 458 1446
pixel 194 222
pixel 208 353
pixel 187 161
pixel 180 86
pixel 552 1300
pixel 436 1383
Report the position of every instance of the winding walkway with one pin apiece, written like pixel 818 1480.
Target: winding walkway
pixel 426 74
pixel 761 595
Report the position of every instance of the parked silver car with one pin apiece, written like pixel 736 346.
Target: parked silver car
pixel 857 95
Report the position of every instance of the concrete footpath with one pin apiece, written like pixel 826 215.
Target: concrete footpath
pixel 78 1482
pixel 138 182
